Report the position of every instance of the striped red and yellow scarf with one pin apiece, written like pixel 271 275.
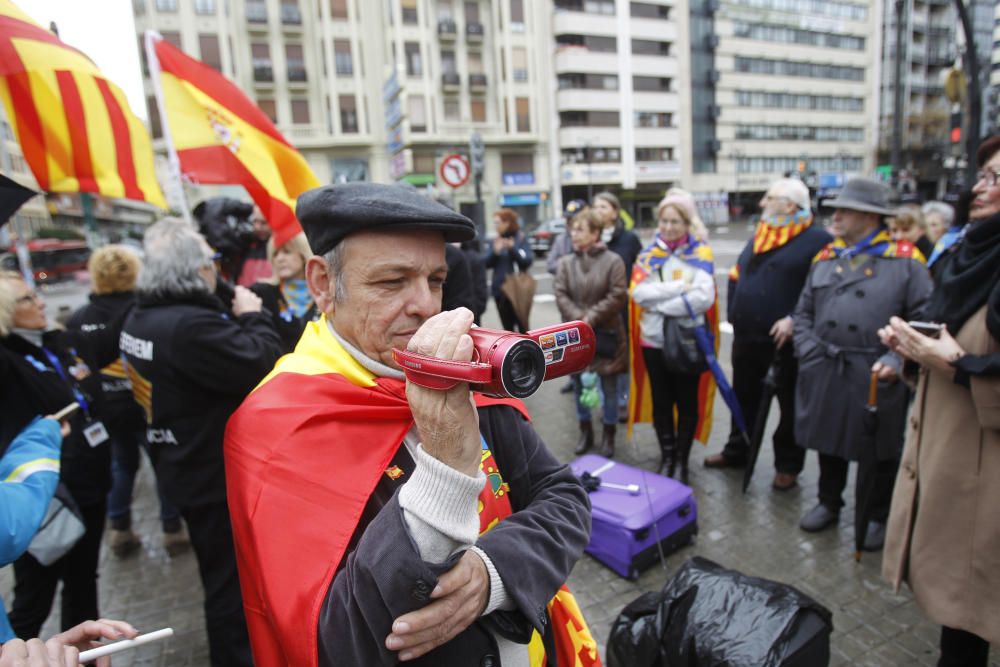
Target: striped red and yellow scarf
pixel 773 233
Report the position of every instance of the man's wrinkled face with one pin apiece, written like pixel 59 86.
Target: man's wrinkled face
pixel 851 225
pixel 393 283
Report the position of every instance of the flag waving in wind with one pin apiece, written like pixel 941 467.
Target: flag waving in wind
pixel 74 126
pixel 221 137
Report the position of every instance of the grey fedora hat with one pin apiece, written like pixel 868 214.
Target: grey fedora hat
pixel 862 194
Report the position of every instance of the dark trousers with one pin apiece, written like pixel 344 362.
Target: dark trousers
pixel 963 649
pixel 750 363
pixel 508 318
pixel 672 390
pixel 35 584
pixel 833 479
pixel 125 448
pixel 212 540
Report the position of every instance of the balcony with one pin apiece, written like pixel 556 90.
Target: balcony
pixel 581 59
pixel 447 30
pixel 297 72
pixel 477 82
pixel 451 82
pixel 574 23
pixel 256 14
pixel 263 72
pixel 594 136
pixel 474 32
pixel 584 99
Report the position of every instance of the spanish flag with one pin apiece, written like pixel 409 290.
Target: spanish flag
pixel 74 126
pixel 303 454
pixel 221 137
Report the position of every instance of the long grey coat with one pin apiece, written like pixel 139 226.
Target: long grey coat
pixel 840 310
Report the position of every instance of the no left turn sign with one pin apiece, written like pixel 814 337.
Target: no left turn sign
pixel 455 170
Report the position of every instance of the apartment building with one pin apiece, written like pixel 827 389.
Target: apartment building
pixel 385 90
pixel 34 214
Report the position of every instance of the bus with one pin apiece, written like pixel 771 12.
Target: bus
pixel 52 260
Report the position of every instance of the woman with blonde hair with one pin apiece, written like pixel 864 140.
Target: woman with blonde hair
pixel 285 294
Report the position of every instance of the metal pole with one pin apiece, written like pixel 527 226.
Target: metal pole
pixel 971 63
pixel 897 105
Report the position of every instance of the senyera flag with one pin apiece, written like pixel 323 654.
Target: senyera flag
pixel 221 137
pixel 74 126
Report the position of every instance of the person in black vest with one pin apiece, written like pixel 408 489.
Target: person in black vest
pixel 191 363
pixel 113 270
pixel 764 287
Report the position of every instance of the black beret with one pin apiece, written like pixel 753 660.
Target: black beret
pixel 332 212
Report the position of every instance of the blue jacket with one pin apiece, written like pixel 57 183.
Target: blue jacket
pixel 29 472
pixel 504 262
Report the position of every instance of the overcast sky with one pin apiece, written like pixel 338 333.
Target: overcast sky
pixel 102 29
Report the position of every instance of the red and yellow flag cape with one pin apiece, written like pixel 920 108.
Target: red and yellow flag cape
pixel 75 127
pixel 222 137
pixel 303 454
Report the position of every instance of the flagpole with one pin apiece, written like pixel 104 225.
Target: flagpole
pixel 161 106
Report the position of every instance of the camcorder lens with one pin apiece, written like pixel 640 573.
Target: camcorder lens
pixel 523 369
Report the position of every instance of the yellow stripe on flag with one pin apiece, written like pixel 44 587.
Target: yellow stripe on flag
pixel 101 138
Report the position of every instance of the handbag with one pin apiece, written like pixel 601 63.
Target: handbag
pixel 61 528
pixel 606 343
pixel 519 288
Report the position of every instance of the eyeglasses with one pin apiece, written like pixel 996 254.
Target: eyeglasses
pixel 988 176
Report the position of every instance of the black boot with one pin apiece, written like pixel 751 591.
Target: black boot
pixel 685 439
pixel 607 448
pixel 668 451
pixel 586 440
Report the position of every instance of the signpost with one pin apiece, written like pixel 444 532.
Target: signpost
pixel 477 152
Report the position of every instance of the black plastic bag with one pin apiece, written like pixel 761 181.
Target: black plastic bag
pixel 708 616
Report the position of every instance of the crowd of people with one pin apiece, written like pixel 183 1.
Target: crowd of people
pixel 250 372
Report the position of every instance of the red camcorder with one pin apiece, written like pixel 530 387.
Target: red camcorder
pixel 505 363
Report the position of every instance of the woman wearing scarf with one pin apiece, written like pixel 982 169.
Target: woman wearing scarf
pixel 285 294
pixel 590 286
pixel 675 269
pixel 943 537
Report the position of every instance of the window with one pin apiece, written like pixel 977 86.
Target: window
pixel 424 163
pixel 755 98
pixel 269 109
pixel 517 169
pixel 588 119
pixel 343 62
pixel 410 12
pixel 839 10
pixel 589 42
pixel 653 119
pixel 799 133
pixel 414 66
pixel 260 57
pixel 417 113
pixel 645 47
pixel 779 33
pixel 523 107
pixel 796 68
pixel 300 112
pixel 588 81
pixel 208 46
pixel 290 13
pixel 472 12
pixel 452 111
pixel 348 114
pixel 590 155
pixel 644 10
pixel 295 62
pixel 172 36
pixel 651 83
pixel 658 154
pixel 448 65
pixel 774 165
pixel 477 109
pixel 519 57
pixel 204 7
pixel 338 9
pixel 256 11
pixel 166 5
pixel 517 15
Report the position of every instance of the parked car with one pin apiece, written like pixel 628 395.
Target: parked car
pixel 543 235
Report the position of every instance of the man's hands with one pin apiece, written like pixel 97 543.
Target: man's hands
pixel 781 331
pixel 447 421
pixel 937 353
pixel 63 650
pixel 459 599
pixel 245 301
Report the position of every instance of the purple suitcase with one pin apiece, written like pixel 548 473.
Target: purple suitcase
pixel 626 525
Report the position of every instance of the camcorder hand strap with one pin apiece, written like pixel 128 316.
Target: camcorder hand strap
pixel 440 374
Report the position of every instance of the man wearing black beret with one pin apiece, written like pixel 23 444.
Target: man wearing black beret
pixel 376 520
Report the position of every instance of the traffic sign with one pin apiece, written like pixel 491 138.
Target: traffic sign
pixel 455 170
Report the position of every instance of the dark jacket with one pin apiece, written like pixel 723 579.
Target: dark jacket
pixel 770 283
pixel 591 286
pixel 383 576
pixel 503 263
pixel 477 269
pixel 191 365
pixel 458 287
pixel 288 326
pixel 119 411
pixel 626 244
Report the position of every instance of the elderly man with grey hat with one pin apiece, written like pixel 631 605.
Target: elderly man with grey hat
pixel 377 520
pixel 856 283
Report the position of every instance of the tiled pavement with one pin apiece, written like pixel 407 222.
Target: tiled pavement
pixel 757 534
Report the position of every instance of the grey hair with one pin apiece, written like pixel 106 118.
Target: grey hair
pixel 946 211
pixel 8 302
pixel 335 266
pixel 175 253
pixel 794 191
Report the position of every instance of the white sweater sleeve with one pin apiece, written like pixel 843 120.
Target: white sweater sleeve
pixel 701 296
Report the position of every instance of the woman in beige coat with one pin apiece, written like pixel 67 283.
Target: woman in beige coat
pixel 943 536
pixel 590 286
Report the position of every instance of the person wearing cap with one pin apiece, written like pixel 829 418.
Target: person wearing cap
pixel 855 285
pixel 764 286
pixel 376 520
pixel 191 361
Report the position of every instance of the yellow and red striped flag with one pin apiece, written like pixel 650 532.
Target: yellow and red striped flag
pixel 220 136
pixel 74 126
